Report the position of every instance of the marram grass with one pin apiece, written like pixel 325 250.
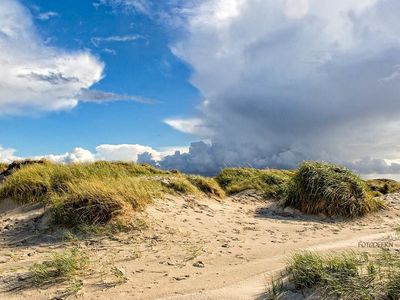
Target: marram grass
pixel 348 275
pixel 104 192
pixel 332 190
pixel 272 183
pixel 207 185
pixel 61 267
pixel 97 193
pixel 380 187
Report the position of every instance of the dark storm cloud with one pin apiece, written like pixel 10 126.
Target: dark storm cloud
pixel 288 81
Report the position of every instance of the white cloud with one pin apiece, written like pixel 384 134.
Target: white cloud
pixel 115 38
pixel 118 152
pixel 140 6
pixel 96 96
pixel 194 126
pixel 77 155
pixel 47 15
pixel 7 155
pixel 124 152
pixel 34 76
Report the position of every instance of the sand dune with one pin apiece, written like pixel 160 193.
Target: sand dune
pixel 184 248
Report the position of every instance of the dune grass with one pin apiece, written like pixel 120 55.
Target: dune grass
pixel 207 185
pixel 381 187
pixel 179 184
pixel 96 201
pixel 97 193
pixel 272 183
pixel 61 267
pixel 104 192
pixel 347 275
pixel 332 190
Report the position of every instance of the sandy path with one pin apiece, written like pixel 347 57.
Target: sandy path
pixel 193 249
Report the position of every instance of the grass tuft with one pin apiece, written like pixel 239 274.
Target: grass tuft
pixel 331 190
pixel 62 267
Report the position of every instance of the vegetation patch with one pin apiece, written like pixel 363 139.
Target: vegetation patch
pixel 207 185
pixel 381 187
pixel 98 193
pixel 349 275
pixel 179 184
pixel 60 268
pixel 332 190
pixel 271 182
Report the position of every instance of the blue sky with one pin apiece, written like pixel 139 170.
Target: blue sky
pixel 266 84
pixel 144 67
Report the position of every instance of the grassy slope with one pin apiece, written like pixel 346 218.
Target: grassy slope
pixel 104 192
pixel 100 192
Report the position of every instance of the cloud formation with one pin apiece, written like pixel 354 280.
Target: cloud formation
pixel 35 77
pixel 129 6
pixel 119 152
pixel 115 38
pixel 291 80
pixel 96 96
pixel 47 15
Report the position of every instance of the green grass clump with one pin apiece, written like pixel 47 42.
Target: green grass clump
pixel 270 182
pixel 62 267
pixel 348 275
pixel 381 187
pixel 329 189
pixel 207 185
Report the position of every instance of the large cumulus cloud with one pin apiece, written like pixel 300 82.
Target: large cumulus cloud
pixel 285 81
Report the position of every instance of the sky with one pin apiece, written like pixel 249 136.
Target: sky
pixel 198 85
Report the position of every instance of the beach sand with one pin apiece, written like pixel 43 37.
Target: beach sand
pixel 184 248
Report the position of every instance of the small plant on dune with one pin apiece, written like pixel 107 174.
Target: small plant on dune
pixel 272 183
pixel 207 185
pixel 119 275
pixel 275 289
pixel 62 267
pixel 331 190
